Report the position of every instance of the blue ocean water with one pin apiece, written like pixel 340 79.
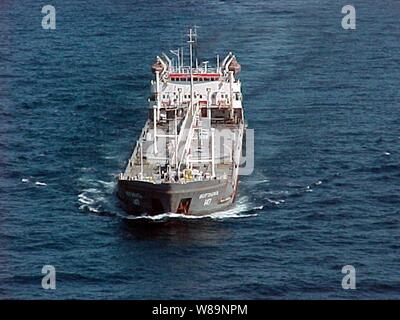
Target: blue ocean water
pixel 325 192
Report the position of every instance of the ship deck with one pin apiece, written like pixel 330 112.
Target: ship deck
pixel 154 164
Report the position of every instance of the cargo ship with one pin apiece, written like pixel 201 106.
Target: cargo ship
pixel 187 157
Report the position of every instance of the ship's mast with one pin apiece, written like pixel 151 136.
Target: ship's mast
pixel 192 36
pixel 177 53
pixel 195 47
pixel 182 57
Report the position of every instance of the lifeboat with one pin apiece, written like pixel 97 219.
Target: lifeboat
pixel 234 66
pixel 157 66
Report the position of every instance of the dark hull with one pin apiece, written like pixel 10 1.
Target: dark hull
pixel 193 198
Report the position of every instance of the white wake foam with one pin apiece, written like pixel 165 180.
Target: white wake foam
pixel 256 182
pixel 277 202
pixel 242 209
pixel 94 198
pixel 85 199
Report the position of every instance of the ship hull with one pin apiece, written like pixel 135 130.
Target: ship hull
pixel 192 198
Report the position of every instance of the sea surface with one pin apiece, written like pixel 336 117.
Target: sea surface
pixel 325 191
